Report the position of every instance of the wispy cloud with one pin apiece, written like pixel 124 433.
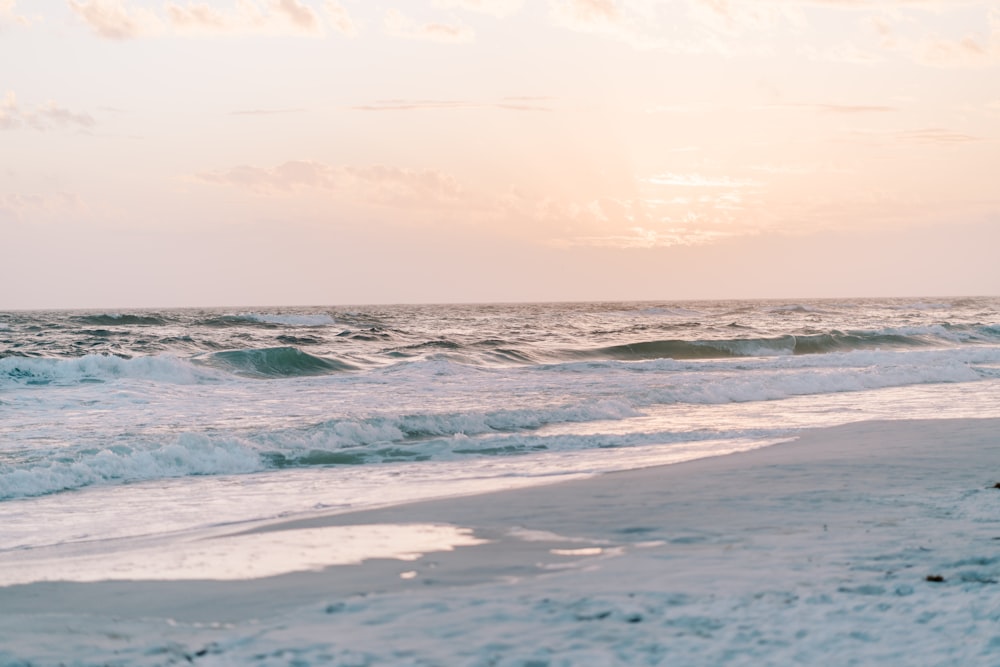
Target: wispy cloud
pixel 695 180
pixel 121 20
pixel 600 17
pixel 112 19
pixel 21 207
pixel 375 184
pixel 399 25
pixel 341 19
pixel 928 136
pixel 10 15
pixel 264 112
pixel 830 108
pixel 936 135
pixel 275 17
pixel 507 104
pixel 968 51
pixel 642 237
pixel 901 33
pixel 42 117
pixel 498 8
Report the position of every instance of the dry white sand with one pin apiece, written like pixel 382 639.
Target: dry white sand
pixel 812 552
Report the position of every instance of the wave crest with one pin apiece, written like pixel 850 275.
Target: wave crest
pixel 273 362
pixel 98 368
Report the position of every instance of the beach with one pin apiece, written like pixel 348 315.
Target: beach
pixel 867 542
pixel 495 333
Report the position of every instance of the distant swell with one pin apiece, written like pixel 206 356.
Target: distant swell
pixel 781 345
pixel 273 362
pixel 119 320
pixel 269 320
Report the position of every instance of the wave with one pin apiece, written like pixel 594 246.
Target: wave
pixel 676 311
pixel 315 320
pixel 273 362
pixel 920 305
pixel 636 386
pixel 797 308
pixel 335 442
pixel 699 349
pixel 817 343
pixel 188 454
pixel 119 319
pixel 99 368
pixel 270 320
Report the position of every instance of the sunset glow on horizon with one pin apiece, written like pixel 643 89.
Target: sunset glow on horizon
pixel 242 152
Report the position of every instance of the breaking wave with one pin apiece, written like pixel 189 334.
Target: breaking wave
pixel 343 442
pixel 273 362
pixel 818 343
pixel 99 368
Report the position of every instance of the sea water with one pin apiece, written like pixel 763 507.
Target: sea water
pixel 126 423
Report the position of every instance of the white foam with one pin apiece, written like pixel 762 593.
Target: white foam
pixel 101 368
pixel 160 420
pixel 187 454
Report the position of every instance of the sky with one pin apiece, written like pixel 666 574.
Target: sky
pixel 321 152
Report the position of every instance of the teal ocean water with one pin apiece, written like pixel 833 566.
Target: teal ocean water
pixel 252 412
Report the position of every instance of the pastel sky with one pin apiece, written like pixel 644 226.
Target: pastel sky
pixel 269 152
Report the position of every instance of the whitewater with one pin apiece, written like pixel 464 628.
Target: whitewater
pixel 111 398
pixel 128 434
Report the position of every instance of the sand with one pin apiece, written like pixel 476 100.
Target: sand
pixel 824 550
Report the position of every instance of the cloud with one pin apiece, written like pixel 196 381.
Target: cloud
pixel 341 19
pixel 18 206
pixel 832 108
pixel 111 19
pixel 298 14
pixel 264 112
pixel 507 104
pixel 43 117
pixel 598 16
pixel 622 222
pixel 376 184
pixel 398 25
pixel 936 135
pixel 633 22
pixel 119 20
pixel 734 17
pixel 283 178
pixel 928 136
pixel 498 8
pixel 695 180
pixel 8 14
pixel 642 237
pixel 973 49
pixel 275 17
pixel 968 51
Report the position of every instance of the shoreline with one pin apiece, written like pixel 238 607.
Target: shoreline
pixel 842 522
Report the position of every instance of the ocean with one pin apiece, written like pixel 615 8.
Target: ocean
pixel 124 423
